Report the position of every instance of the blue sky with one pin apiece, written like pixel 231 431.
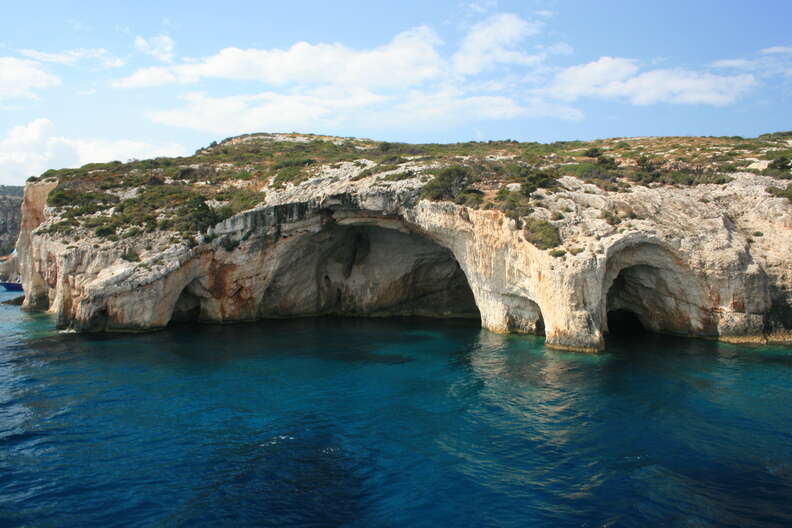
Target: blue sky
pixel 95 81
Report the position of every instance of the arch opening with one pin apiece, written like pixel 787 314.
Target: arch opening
pixel 524 316
pixel 623 322
pixel 369 271
pixel 188 306
pixel 661 298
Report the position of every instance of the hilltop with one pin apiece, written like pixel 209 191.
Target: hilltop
pixel 188 194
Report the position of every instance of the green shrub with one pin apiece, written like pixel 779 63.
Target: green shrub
pixel 65 197
pixel 611 218
pixel 470 198
pixel 104 230
pixel 535 179
pixel 130 255
pixel 239 199
pixel 607 163
pixel 782 193
pixel 446 184
pixel 541 233
pixel 593 152
pixel 132 232
pixel 298 162
pixel 194 216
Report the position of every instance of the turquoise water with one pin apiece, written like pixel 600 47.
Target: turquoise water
pixel 334 422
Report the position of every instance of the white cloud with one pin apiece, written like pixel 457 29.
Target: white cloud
pixel 101 55
pixel 560 48
pixel 733 63
pixel 771 62
pixel 160 47
pixel 615 77
pixel 482 6
pixel 328 108
pixel 264 111
pixel 30 149
pixel 76 25
pixel 493 41
pixel 452 107
pixel 777 49
pixel 409 59
pixel 19 78
pixel 685 87
pixel 407 82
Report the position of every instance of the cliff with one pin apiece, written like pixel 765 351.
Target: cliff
pixel 691 235
pixel 10 217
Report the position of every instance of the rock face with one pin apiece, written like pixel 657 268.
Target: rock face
pixel 10 217
pixel 707 261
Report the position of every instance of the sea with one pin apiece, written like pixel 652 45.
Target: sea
pixel 387 423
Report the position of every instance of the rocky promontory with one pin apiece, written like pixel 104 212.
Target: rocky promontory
pixel 691 236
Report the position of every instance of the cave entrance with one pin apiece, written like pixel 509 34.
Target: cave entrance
pixel 524 316
pixel 188 306
pixel 370 271
pixel 624 323
pixel 661 299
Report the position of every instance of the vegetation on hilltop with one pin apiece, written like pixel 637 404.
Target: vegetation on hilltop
pixel 189 194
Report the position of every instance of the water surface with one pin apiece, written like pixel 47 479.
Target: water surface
pixel 334 422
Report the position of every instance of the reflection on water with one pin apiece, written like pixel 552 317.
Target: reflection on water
pixel 327 422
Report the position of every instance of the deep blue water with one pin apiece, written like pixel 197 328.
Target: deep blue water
pixel 336 422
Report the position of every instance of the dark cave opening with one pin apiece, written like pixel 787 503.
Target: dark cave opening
pixel 368 271
pixel 187 308
pixel 624 323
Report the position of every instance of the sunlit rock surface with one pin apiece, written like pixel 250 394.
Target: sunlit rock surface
pixel 708 261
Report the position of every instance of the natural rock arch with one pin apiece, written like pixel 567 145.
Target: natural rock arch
pixel 523 316
pixel 366 269
pixel 187 307
pixel 651 282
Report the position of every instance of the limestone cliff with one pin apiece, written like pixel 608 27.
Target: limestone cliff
pixel 10 217
pixel 706 259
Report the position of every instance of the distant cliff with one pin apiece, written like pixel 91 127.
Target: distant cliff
pixel 693 236
pixel 10 216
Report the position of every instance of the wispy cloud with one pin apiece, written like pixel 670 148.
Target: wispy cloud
pixel 101 55
pixel 769 62
pixel 619 78
pixel 331 107
pixel 482 6
pixel 20 79
pixel 778 49
pixel 160 47
pixel 410 58
pixel 501 70
pixel 31 148
pixel 496 41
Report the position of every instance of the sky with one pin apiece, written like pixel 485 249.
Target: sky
pixel 89 81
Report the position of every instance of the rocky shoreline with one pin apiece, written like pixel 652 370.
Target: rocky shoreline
pixel 710 260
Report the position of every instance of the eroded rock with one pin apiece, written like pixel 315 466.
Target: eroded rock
pixel 683 260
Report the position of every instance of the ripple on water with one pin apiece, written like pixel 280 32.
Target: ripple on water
pixel 387 423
